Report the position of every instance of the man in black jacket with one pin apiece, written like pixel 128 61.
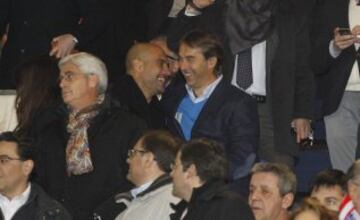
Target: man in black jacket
pixel 146 78
pixel 19 198
pixel 84 153
pixel 52 27
pixel 198 174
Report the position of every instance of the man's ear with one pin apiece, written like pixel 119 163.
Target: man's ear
pixel 93 80
pixel 149 159
pixel 138 65
pixel 212 61
pixel 28 166
pixel 287 200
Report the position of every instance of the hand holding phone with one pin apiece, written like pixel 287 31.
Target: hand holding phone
pixel 344 31
pixel 343 38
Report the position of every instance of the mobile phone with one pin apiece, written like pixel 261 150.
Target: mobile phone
pixel 345 31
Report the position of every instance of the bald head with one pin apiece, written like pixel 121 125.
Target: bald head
pixel 141 52
pixel 147 65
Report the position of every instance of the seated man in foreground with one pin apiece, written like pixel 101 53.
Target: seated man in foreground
pixel 19 198
pixel 199 174
pixel 83 154
pixel 329 187
pixel 149 167
pixel 272 191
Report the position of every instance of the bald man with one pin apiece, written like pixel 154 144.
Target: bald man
pixel 147 75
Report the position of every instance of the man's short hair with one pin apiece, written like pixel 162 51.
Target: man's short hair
pixel 163 146
pixel 286 177
pixel 209 44
pixel 207 156
pixel 353 171
pixel 329 178
pixel 23 147
pixel 89 64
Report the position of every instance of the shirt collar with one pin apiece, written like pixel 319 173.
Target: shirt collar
pixel 206 93
pixel 140 189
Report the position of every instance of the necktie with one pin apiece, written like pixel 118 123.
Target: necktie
pixel 244 69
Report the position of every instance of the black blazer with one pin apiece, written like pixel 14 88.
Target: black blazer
pixel 229 116
pixel 332 74
pixel 33 24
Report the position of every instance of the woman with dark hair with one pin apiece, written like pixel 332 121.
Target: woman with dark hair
pixel 38 95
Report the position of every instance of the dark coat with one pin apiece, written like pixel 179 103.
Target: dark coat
pixel 210 20
pixel 229 116
pixel 213 201
pixel 289 79
pixel 128 93
pixel 111 133
pixel 332 74
pixel 158 17
pixel 33 24
pixel 40 206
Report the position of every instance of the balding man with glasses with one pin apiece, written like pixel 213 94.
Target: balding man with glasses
pixel 149 167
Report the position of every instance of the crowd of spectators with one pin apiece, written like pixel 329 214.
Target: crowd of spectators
pixel 178 109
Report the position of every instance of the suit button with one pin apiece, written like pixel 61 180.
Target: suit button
pixel 22 51
pixel 25 22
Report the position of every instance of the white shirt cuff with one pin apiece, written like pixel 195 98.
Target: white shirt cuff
pixel 334 52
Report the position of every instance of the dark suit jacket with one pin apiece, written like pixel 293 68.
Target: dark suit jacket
pixel 211 20
pixel 289 79
pixel 158 17
pixel 33 24
pixel 229 116
pixel 332 74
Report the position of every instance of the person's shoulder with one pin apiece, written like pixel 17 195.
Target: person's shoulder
pixel 47 205
pixel 232 93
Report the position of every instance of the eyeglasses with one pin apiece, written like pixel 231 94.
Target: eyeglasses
pixel 133 151
pixel 4 159
pixel 70 76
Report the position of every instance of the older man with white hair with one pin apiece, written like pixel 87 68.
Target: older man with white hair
pixel 83 155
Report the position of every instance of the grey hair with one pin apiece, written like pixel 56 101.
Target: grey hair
pixel 89 64
pixel 287 179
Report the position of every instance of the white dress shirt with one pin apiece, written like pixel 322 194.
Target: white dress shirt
pixel 206 93
pixel 258 57
pixel 10 207
pixel 136 191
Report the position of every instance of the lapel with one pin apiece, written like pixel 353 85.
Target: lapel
pixel 272 44
pixel 212 105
